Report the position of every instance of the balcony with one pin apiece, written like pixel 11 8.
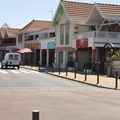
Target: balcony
pixel 99 38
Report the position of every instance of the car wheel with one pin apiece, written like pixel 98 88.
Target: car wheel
pixel 1 66
pixel 6 66
pixel 18 67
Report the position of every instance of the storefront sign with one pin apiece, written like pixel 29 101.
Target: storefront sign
pixel 82 43
pixel 51 45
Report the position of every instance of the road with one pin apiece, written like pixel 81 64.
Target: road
pixel 28 79
pixel 22 90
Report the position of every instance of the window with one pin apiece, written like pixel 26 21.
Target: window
pixel 36 37
pixel 20 38
pixel 70 56
pixel 64 34
pixel 52 34
pixel 67 34
pixel 30 37
pixel 43 35
pixel 10 57
pixel 60 57
pixel 61 34
pixel 16 57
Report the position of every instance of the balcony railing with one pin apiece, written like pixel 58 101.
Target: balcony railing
pixel 98 34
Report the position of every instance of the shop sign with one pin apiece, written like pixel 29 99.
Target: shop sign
pixel 83 43
pixel 51 45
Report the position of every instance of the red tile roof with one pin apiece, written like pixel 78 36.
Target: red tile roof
pixel 110 9
pixel 80 11
pixel 77 10
pixel 10 32
pixel 35 25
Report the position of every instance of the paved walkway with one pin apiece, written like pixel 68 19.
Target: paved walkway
pixel 104 81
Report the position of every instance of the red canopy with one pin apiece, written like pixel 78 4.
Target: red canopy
pixel 24 50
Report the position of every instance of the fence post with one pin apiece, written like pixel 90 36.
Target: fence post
pixel 52 67
pixel 59 69
pixel 75 71
pixel 85 74
pixel 116 80
pixel 39 66
pixel 35 114
pixel 98 76
pixel 66 70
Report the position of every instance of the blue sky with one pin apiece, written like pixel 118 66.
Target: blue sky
pixel 17 13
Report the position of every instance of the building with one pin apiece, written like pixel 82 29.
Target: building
pixel 40 37
pixel 7 40
pixel 83 29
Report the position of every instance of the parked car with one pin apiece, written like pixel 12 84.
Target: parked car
pixel 12 60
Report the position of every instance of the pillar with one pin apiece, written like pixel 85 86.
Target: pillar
pixel 93 55
pixel 47 60
pixel 40 56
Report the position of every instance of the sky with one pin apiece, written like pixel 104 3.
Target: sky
pixel 18 13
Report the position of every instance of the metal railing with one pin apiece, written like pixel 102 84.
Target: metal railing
pixel 98 34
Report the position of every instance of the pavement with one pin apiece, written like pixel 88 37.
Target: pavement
pixel 104 80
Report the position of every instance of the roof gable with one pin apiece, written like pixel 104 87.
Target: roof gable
pixel 74 11
pixel 77 11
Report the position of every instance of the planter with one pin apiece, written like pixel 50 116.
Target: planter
pixel 116 67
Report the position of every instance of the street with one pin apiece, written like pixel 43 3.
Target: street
pixel 28 79
pixel 23 90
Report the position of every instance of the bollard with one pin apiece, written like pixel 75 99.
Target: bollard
pixel 52 67
pixel 75 72
pixel 59 69
pixel 39 66
pixel 116 80
pixel 98 77
pixel 35 114
pixel 66 70
pixel 85 74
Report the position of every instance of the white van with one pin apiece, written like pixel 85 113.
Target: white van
pixel 11 59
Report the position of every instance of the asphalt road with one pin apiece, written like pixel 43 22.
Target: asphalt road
pixel 22 90
pixel 28 79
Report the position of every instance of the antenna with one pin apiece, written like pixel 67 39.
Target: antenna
pixel 51 11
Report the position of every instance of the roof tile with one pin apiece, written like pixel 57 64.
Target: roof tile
pixel 36 25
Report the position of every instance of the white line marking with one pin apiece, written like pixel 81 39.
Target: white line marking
pixel 25 71
pixel 13 71
pixel 35 72
pixel 3 72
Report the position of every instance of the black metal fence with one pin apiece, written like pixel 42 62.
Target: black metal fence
pixel 85 73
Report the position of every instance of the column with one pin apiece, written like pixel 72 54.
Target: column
pixel 47 60
pixel 93 55
pixel 40 56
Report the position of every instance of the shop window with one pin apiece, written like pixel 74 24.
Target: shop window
pixel 70 56
pixel 60 57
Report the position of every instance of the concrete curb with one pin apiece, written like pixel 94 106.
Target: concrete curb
pixel 75 80
pixel 83 82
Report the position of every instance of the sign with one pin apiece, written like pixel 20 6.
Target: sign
pixel 51 45
pixel 82 43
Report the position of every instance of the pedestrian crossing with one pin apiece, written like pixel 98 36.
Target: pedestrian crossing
pixel 2 71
